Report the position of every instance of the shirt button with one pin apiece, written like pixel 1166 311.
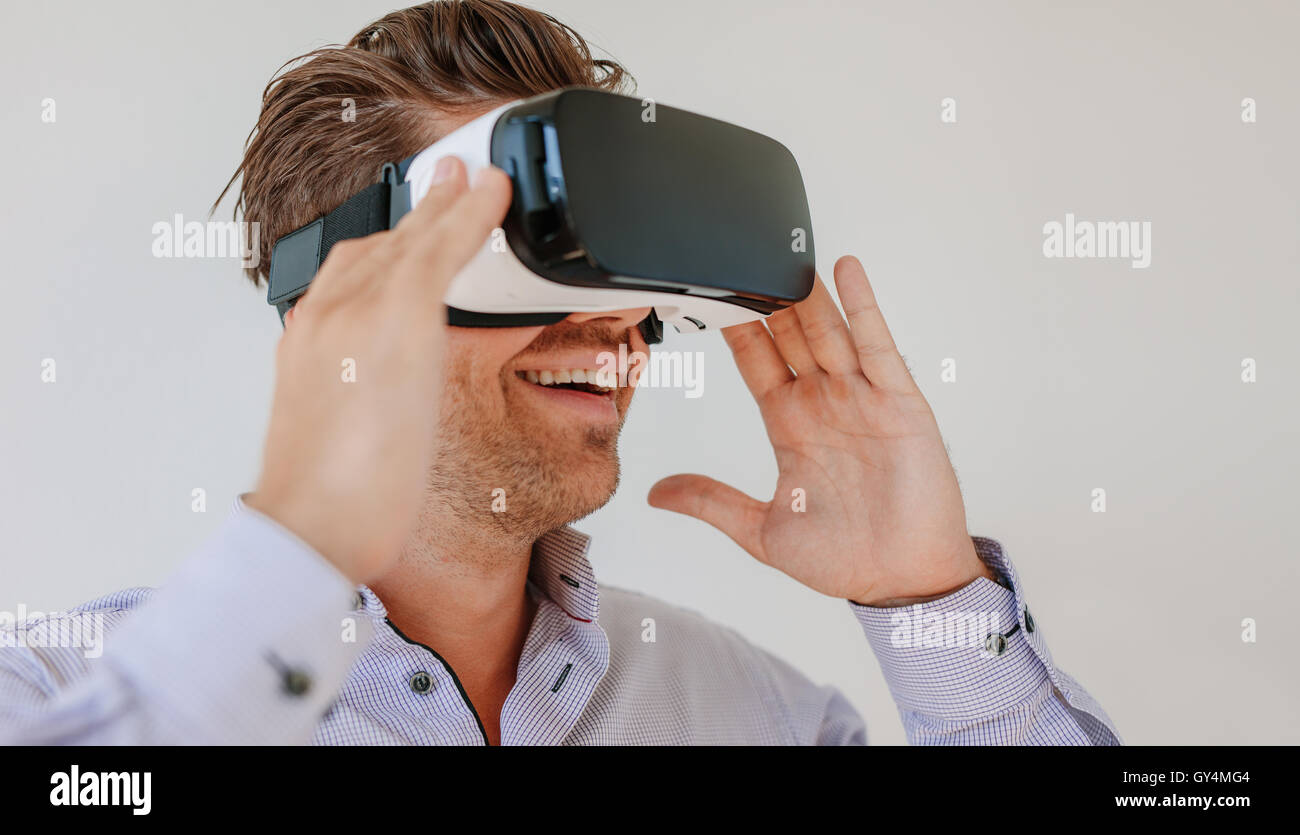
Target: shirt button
pixel 1029 621
pixel 357 601
pixel 995 644
pixel 421 682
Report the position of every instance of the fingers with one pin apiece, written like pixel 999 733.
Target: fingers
pixel 760 364
pixel 347 269
pixel 472 218
pixel 787 333
pixel 440 245
pixel 874 345
pixel 448 183
pixel 724 507
pixel 824 329
pixel 356 263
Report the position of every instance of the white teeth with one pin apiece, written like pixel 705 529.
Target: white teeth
pixel 589 376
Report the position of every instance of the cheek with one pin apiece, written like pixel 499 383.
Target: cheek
pixel 485 351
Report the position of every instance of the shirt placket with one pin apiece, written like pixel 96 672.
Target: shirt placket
pixel 427 689
pixel 563 660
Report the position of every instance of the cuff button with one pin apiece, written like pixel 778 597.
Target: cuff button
pixel 296 682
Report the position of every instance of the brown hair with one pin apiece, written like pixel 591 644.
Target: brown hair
pixel 452 57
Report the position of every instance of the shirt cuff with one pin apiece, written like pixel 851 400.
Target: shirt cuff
pixel 248 642
pixel 973 654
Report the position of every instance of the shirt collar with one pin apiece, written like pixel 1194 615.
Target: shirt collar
pixel 561 570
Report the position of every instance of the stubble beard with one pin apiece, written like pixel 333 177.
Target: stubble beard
pixel 493 476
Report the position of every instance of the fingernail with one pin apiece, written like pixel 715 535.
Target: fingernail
pixel 442 170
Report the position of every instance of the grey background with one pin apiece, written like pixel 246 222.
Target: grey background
pixel 1072 374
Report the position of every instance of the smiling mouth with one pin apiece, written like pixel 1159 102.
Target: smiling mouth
pixel 586 380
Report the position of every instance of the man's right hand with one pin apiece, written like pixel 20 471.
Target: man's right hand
pixel 359 378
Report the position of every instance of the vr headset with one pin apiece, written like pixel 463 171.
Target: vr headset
pixel 617 204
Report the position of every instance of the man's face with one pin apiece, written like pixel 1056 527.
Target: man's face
pixel 553 448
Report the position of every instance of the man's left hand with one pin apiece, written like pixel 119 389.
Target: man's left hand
pixel 882 521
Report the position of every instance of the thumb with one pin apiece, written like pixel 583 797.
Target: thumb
pixel 724 507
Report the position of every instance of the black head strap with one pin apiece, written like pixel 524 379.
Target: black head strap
pixel 297 256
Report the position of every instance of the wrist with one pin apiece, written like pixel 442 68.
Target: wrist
pixel 306 524
pixel 972 568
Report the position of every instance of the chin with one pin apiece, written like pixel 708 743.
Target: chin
pixel 582 483
pixel 555 466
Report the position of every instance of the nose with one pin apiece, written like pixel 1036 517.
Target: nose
pixel 618 319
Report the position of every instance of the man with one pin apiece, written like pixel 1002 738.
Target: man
pixel 368 592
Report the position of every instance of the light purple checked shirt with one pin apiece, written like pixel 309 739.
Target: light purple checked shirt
pixel 258 639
